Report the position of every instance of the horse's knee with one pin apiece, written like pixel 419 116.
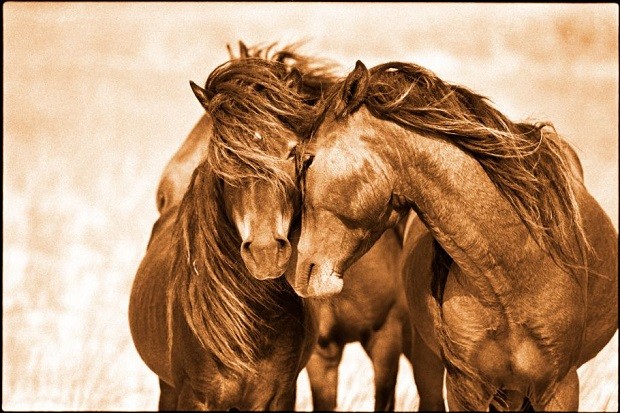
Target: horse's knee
pixel 168 397
pixel 562 397
pixel 329 350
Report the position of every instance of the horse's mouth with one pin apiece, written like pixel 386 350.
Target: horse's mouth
pixel 319 282
pixel 301 282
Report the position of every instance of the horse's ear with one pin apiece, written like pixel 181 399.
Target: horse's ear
pixel 230 52
pixel 355 86
pixel 201 95
pixel 294 79
pixel 243 50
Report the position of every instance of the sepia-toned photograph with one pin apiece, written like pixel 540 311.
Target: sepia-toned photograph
pixel 310 206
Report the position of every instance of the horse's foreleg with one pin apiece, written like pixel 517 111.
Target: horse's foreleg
pixel 323 374
pixel 465 394
pixel 428 373
pixel 168 397
pixel 565 396
pixel 189 400
pixel 384 348
pixel 285 401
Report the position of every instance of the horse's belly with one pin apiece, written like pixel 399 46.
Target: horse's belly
pixel 148 323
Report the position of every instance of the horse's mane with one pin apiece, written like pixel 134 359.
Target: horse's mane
pixel 254 102
pixel 525 161
pixel 222 303
pixel 317 74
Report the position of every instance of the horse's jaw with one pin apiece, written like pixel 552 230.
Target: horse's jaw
pixel 317 281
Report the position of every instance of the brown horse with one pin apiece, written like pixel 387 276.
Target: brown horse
pixel 218 337
pixel 378 320
pixel 516 285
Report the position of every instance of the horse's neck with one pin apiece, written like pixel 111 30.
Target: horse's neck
pixel 463 209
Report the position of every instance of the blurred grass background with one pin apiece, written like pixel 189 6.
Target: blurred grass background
pixel 96 100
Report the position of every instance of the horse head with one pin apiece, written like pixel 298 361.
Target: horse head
pixel 258 112
pixel 346 188
pixel 271 84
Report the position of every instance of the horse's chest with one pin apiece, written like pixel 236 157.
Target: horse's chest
pixel 489 340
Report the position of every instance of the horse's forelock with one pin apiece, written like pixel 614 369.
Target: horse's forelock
pixel 255 100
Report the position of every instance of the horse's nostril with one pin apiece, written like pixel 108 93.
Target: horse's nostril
pixel 282 243
pixel 161 201
pixel 246 246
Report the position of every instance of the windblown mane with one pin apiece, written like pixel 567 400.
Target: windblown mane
pixel 525 161
pixel 317 74
pixel 255 102
pixel 256 95
pixel 224 306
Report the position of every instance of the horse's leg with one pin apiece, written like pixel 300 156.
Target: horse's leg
pixel 284 401
pixel 384 348
pixel 565 396
pixel 323 374
pixel 168 397
pixel 470 397
pixel 428 373
pixel 189 400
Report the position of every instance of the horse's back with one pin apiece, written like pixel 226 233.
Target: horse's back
pixel 602 298
pixel 147 303
pixel 177 174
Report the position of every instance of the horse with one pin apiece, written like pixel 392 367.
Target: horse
pixel 515 284
pixel 217 336
pixel 378 320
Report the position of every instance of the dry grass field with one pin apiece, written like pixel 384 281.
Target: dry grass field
pixel 96 100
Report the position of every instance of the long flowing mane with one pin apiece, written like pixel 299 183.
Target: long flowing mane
pixel 253 101
pixel 525 161
pixel 317 74
pixel 220 300
pixel 224 306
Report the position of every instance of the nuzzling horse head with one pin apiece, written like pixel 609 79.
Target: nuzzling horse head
pixel 259 111
pixel 346 188
pixel 356 178
pixel 264 231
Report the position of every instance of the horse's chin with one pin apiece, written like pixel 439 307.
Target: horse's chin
pixel 321 284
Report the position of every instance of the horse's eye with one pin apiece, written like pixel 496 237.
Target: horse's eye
pixel 292 153
pixel 307 160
